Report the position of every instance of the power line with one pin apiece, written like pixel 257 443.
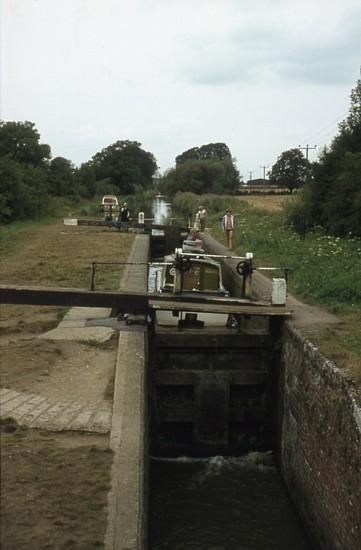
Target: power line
pixel 307 148
pixel 324 136
pixel 325 127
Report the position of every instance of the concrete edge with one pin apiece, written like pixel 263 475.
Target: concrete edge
pixel 127 523
pixel 127 499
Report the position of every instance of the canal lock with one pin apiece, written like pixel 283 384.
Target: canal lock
pixel 212 389
pixel 211 392
pixel 213 415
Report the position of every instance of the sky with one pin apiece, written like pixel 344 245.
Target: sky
pixel 263 76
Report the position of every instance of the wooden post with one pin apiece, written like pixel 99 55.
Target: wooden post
pixel 247 285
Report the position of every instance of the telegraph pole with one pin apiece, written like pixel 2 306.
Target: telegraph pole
pixel 264 172
pixel 307 148
pixel 250 175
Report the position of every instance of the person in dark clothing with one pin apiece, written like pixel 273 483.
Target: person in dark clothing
pixel 124 217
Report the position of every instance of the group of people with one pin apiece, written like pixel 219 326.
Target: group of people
pixel 200 225
pixel 122 221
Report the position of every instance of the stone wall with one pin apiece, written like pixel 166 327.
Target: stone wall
pixel 320 443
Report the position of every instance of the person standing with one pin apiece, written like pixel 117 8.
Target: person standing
pixel 228 226
pixel 201 217
pixel 124 217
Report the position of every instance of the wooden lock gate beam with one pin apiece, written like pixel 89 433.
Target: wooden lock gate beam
pixel 135 302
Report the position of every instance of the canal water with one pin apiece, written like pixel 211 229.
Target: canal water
pixel 161 210
pixel 221 503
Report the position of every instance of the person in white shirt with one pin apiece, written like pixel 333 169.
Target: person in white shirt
pixel 201 217
pixel 228 226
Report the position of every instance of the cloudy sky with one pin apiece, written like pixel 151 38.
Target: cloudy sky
pixel 262 76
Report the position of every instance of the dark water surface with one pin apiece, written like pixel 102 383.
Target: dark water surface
pixel 221 503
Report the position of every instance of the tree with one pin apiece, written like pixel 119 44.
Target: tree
pixel 206 169
pixel 337 179
pixel 23 171
pixel 349 138
pixel 20 142
pixel 345 190
pixel 215 151
pixel 332 199
pixel 23 191
pixel 11 190
pixel 202 176
pixel 61 177
pixel 290 170
pixel 36 195
pixel 86 180
pixel 125 164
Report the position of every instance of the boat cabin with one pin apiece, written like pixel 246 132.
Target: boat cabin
pixel 110 206
pixel 191 275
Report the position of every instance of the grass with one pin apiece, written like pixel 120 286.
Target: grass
pixel 16 233
pixel 51 254
pixel 270 203
pixel 324 271
pixel 19 231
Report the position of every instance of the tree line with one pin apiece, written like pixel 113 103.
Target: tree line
pixel 30 178
pixel 329 190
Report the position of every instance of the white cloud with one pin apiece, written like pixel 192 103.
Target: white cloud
pixel 178 73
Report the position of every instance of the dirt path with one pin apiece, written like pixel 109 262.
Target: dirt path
pixel 54 485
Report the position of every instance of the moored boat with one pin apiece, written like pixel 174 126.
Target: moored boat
pixel 190 274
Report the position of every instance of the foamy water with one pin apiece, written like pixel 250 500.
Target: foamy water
pixel 221 503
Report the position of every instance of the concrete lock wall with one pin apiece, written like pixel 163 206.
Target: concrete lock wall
pixel 320 443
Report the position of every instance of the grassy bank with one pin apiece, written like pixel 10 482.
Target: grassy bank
pixel 325 271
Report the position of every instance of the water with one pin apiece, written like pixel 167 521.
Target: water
pixel 161 211
pixel 221 503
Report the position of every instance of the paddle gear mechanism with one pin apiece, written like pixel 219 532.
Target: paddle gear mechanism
pixel 244 268
pixel 183 264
